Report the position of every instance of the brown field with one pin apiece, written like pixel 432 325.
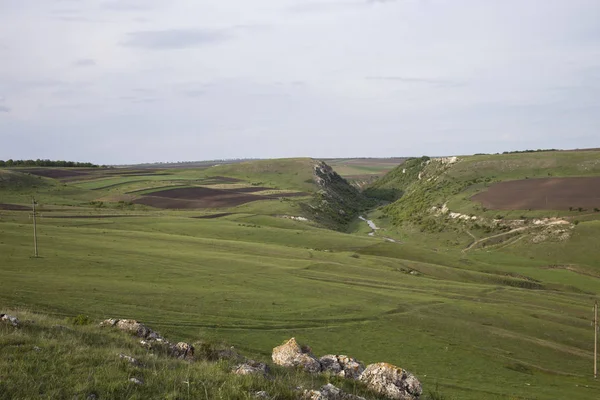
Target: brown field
pixel 542 194
pixel 202 197
pixel 14 207
pixel 57 173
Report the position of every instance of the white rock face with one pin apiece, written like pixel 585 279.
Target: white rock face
pixel 391 381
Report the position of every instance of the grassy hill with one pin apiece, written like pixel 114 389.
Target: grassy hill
pixel 65 358
pixel 492 322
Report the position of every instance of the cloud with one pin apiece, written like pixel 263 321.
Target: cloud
pixel 127 5
pixel 4 109
pixel 425 81
pixel 331 6
pixel 194 92
pixel 324 6
pixel 174 39
pixel 84 62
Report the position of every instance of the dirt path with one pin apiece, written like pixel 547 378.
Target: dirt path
pixel 476 242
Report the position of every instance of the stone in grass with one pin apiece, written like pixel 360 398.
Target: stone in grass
pixel 290 354
pixel 131 360
pixel 251 367
pixel 14 321
pixel 391 381
pixel 136 381
pixel 342 366
pixel 182 350
pixel 329 392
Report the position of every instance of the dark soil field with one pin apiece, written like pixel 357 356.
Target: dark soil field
pixel 57 173
pixel 201 197
pixel 14 207
pixel 542 194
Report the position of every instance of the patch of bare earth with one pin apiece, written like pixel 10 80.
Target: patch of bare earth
pixel 202 197
pixel 14 207
pixel 542 194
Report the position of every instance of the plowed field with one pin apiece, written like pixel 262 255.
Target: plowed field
pixel 202 197
pixel 542 194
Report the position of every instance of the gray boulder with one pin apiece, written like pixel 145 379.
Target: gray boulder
pixel 329 392
pixel 391 381
pixel 182 350
pixel 341 365
pixel 251 367
pixel 290 354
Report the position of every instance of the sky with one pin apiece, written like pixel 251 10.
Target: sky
pixel 131 81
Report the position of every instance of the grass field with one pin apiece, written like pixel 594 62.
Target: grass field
pixel 506 323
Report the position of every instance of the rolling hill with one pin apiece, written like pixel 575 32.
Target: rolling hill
pixel 479 308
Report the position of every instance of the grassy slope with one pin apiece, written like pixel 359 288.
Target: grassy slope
pixel 491 325
pixel 50 358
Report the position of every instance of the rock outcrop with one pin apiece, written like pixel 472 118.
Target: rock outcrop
pixel 329 392
pixel 152 339
pixel 290 354
pixel 391 381
pixel 342 366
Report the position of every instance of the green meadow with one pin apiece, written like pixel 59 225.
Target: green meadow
pixel 508 322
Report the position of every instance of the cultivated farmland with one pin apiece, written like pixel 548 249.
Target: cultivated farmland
pixel 542 194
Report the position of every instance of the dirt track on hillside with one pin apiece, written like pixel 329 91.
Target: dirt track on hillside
pixel 542 194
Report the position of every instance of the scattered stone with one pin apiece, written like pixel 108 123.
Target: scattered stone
pixel 14 321
pixel 391 381
pixel 109 322
pixel 91 397
pixel 131 360
pixel 343 366
pixel 329 392
pixel 136 381
pixel 261 395
pixel 182 350
pixel 36 348
pixel 134 327
pixel 251 367
pixel 290 354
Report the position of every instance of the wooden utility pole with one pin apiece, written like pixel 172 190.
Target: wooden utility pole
pixel 35 244
pixel 595 339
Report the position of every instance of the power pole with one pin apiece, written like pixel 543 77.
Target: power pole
pixel 595 339
pixel 35 244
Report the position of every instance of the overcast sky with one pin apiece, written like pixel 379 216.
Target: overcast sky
pixel 126 81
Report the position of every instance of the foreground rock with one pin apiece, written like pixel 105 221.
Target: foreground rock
pixel 150 339
pixel 14 321
pixel 290 354
pixel 329 392
pixel 251 367
pixel 391 381
pixel 342 366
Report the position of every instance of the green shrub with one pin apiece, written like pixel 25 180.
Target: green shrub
pixel 80 320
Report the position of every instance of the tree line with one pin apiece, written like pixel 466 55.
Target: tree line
pixel 48 163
